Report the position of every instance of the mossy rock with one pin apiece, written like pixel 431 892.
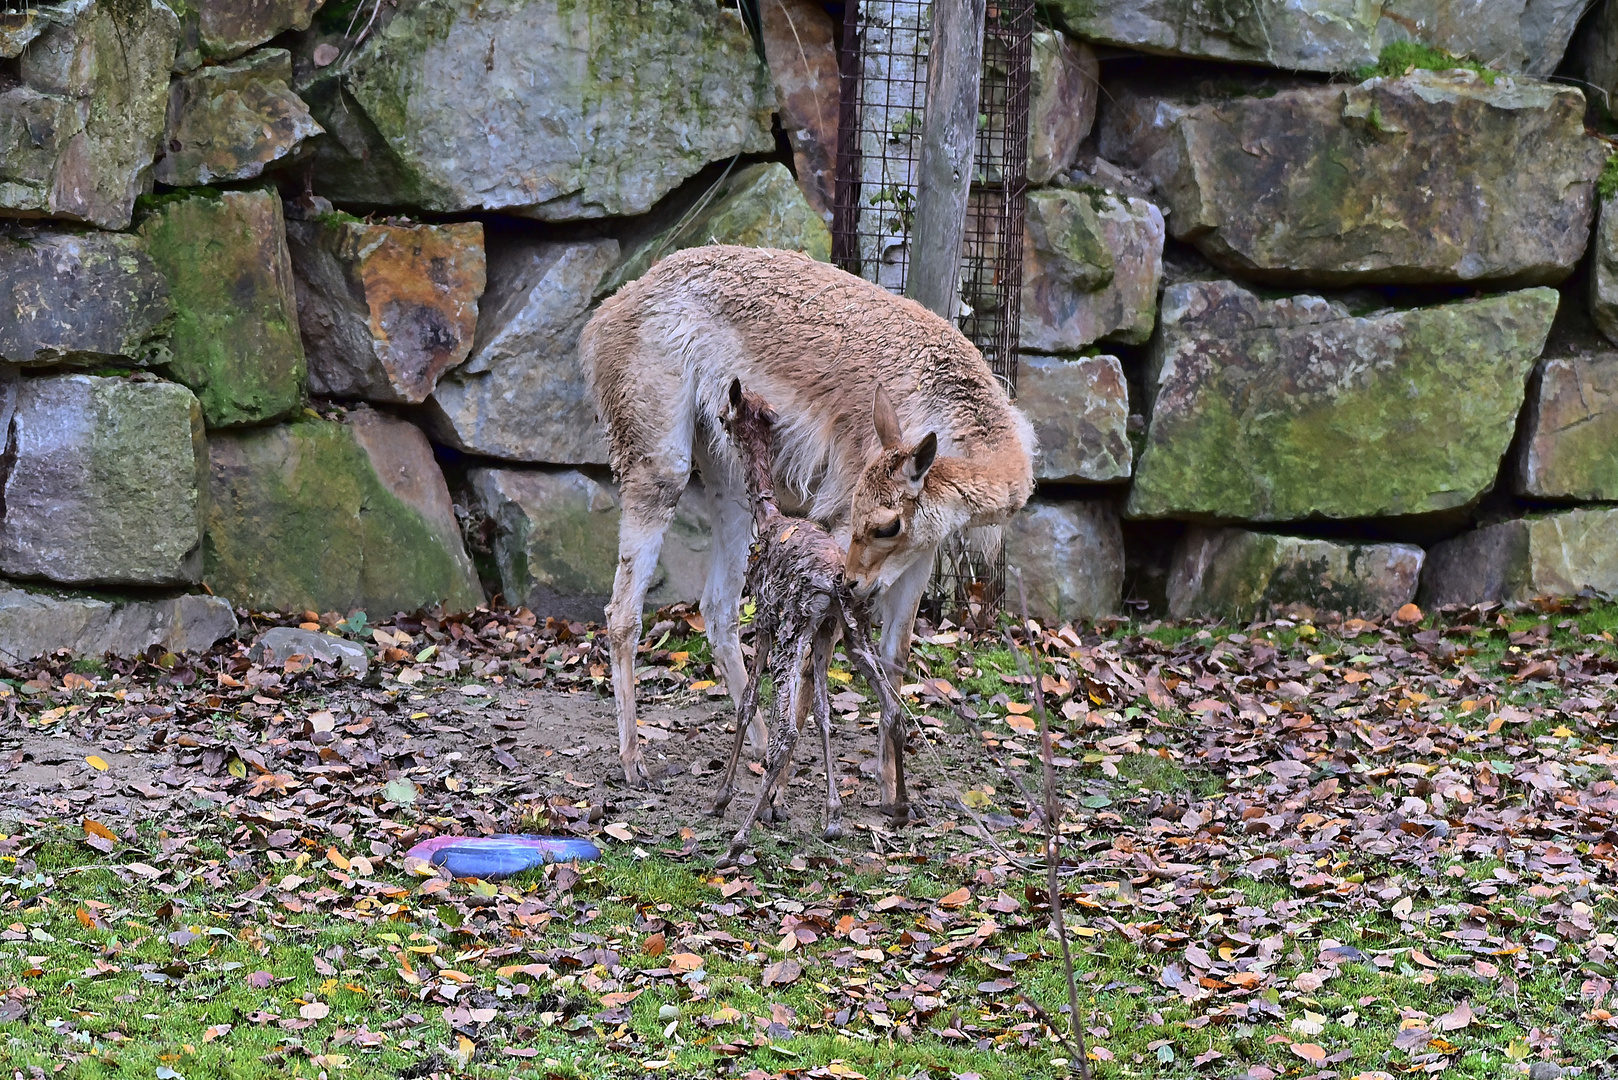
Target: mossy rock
pixel 554 109
pixel 235 341
pixel 1290 409
pixel 1239 573
pixel 324 515
pixel 759 206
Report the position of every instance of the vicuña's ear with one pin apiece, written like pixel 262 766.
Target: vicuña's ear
pixel 921 459
pixel 735 393
pixel 886 419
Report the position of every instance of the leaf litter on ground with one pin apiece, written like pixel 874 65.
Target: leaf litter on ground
pixel 1294 848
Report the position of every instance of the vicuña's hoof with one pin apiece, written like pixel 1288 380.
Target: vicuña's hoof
pixel 731 858
pixel 898 815
pixel 834 831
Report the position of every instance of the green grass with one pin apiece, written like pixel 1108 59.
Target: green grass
pixel 110 992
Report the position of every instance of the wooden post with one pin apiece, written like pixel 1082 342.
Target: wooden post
pixel 949 133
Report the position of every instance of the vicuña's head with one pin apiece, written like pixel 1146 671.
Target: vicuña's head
pixel 891 525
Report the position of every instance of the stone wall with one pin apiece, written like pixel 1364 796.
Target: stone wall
pixel 290 317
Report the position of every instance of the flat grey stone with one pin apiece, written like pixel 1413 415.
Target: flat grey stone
pixel 1550 555
pixel 279 643
pixel 80 298
pixel 1240 573
pixel 550 109
pixel 33 624
pixel 1569 444
pixel 538 299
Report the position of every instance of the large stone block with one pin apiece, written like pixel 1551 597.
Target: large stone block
pixel 1553 555
pixel 555 109
pixel 82 107
pixel 759 206
pixel 1331 35
pixel 1281 410
pixel 224 29
pixel 1080 412
pixel 800 43
pixel 236 320
pixel 103 484
pixel 79 298
pixel 1092 262
pixel 555 541
pixel 1570 430
pixel 229 121
pixel 333 516
pixel 1064 76
pixel 385 309
pixel 1140 106
pixel 522 395
pixel 1238 573
pixel 34 623
pixel 1069 557
pixel 1430 177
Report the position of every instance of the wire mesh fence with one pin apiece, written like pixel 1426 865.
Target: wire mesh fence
pixel 883 62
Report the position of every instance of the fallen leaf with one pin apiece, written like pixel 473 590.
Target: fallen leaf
pixel 782 973
pixel 1456 1019
pixel 1313 1053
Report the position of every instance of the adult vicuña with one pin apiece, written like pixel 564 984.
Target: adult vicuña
pixel 894 434
pixel 804 604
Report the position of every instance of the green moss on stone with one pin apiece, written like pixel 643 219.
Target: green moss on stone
pixel 299 520
pixel 760 206
pixel 1253 424
pixel 1398 57
pixel 1607 182
pixel 235 340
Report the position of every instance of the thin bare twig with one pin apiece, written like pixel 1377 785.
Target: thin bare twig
pixel 1053 829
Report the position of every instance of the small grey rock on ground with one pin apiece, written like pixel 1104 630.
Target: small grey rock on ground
pixel 282 642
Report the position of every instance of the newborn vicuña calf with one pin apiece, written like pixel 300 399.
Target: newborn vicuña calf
pixel 803 604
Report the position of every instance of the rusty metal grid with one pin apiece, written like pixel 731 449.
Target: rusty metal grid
pixel 883 64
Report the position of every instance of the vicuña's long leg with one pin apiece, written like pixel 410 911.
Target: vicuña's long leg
pixel 784 734
pixel 648 508
pixel 744 715
pixel 891 738
pixel 825 642
pixel 722 594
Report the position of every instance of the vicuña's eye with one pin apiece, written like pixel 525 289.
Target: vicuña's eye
pixel 888 531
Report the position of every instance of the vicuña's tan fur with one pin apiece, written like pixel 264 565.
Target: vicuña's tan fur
pixel 940 448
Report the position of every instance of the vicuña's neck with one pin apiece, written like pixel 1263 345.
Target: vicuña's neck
pixel 984 490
